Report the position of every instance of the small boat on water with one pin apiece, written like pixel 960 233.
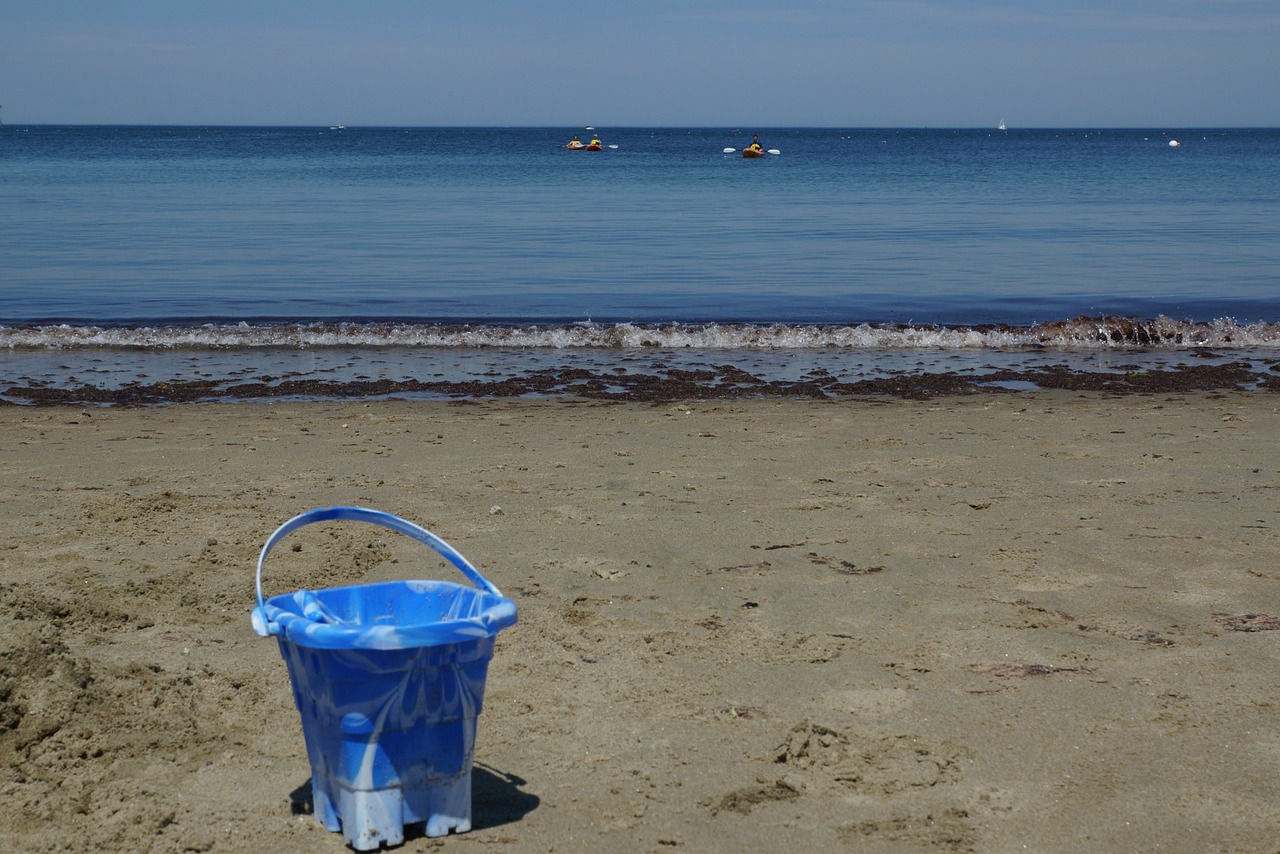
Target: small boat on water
pixel 595 145
pixel 753 150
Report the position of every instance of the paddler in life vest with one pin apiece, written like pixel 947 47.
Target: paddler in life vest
pixel 575 142
pixel 755 143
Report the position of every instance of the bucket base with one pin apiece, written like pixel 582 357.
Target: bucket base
pixel 371 819
pixel 390 736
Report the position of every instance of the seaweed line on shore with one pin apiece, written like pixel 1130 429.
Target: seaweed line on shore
pixel 723 382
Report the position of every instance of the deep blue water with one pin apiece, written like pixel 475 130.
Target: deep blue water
pixel 117 224
pixel 188 237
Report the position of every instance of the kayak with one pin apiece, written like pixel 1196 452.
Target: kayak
pixel 576 146
pixel 753 152
pixel 595 146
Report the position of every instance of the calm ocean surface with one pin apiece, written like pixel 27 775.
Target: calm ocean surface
pixel 175 252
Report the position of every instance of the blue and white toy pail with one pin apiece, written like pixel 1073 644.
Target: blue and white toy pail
pixel 388 679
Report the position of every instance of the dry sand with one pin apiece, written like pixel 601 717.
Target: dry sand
pixel 1040 622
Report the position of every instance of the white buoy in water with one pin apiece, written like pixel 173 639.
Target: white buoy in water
pixel 1173 143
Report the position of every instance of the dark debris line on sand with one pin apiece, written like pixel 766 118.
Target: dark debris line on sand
pixel 724 382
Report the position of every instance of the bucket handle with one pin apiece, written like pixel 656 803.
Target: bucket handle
pixel 376 517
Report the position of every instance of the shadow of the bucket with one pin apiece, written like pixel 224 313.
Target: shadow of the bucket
pixel 496 799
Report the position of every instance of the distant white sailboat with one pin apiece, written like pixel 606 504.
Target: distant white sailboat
pixel 1001 125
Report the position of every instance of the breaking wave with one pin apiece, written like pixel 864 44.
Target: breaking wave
pixel 1077 333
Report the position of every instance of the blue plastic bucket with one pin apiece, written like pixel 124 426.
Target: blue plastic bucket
pixel 388 679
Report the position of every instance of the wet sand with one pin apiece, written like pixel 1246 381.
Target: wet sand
pixel 1045 619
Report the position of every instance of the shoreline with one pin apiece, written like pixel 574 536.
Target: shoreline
pixel 970 622
pixel 666 385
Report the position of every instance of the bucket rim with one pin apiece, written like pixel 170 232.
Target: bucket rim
pixel 496 613
pixel 299 629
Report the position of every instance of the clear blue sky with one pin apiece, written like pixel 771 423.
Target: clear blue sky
pixel 841 63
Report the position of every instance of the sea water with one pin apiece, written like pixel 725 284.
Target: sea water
pixel 161 254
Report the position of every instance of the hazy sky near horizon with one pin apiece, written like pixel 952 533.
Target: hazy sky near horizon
pixel 826 63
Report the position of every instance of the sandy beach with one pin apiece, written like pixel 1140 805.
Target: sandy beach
pixel 1039 621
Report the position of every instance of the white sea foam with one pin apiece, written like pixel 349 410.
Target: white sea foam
pixel 1076 333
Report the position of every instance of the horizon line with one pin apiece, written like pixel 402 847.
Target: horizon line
pixel 735 129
